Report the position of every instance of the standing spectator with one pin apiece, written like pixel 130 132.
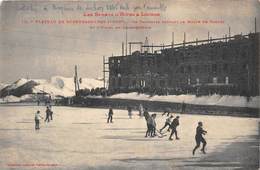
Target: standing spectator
pixel 141 110
pixel 129 109
pixel 37 119
pixel 51 113
pixel 183 107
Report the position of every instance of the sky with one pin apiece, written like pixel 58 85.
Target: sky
pixel 32 50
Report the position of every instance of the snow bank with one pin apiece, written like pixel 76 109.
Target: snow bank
pixel 10 99
pixel 236 101
pixel 27 97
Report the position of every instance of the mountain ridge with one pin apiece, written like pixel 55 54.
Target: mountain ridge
pixel 55 86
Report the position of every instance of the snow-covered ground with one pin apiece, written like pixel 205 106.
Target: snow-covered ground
pixel 220 100
pixel 80 138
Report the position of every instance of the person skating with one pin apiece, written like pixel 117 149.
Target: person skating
pixel 129 109
pixel 153 126
pixel 174 125
pixel 48 113
pixel 110 115
pixel 37 119
pixel 150 126
pixel 147 119
pixel 167 123
pixel 199 138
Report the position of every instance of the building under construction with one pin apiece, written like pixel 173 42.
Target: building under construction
pixel 227 65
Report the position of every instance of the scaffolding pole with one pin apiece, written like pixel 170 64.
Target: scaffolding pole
pixel 105 71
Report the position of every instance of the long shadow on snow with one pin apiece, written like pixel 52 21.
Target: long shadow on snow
pixel 238 154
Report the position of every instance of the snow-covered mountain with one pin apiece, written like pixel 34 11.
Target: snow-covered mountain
pixel 3 85
pixel 56 86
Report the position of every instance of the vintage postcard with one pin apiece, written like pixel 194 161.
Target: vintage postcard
pixel 129 84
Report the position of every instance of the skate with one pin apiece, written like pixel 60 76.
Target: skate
pixel 203 151
pixel 161 136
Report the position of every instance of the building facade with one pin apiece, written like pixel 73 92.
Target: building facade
pixel 227 65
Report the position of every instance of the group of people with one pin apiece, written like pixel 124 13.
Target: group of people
pixel 38 117
pixel 171 124
pixel 151 124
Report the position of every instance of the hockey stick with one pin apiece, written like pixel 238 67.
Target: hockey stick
pixel 161 134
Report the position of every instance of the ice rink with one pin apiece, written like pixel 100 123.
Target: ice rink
pixel 80 138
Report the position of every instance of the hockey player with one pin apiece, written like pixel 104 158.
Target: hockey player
pixel 167 123
pixel 110 115
pixel 37 119
pixel 174 125
pixel 48 113
pixel 146 114
pixel 199 138
pixel 147 119
pixel 153 125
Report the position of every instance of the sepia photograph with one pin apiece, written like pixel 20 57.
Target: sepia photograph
pixel 129 84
